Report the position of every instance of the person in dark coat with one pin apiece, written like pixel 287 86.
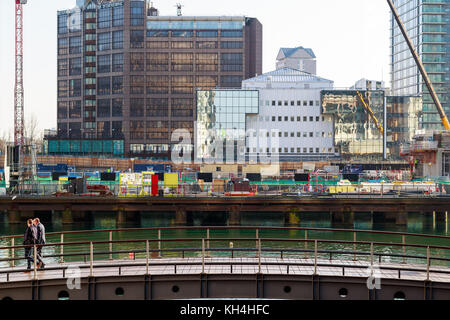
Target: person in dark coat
pixel 29 240
pixel 39 241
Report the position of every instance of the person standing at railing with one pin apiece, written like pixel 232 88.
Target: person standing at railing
pixel 39 241
pixel 29 240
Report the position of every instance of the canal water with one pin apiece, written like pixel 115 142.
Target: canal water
pixel 417 224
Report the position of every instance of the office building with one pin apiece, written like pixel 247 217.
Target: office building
pixel 127 76
pixel 290 111
pixel 356 134
pixel 428 26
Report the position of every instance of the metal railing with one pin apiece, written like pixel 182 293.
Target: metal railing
pixel 363 190
pixel 423 250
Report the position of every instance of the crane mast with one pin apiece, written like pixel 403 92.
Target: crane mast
pixel 18 88
pixel 419 64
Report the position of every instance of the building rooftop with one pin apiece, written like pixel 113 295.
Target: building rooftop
pixel 290 51
pixel 287 75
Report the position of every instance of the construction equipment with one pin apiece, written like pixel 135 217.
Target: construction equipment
pixel 18 88
pixel 416 57
pixel 369 110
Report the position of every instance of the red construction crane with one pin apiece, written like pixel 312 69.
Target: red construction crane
pixel 18 89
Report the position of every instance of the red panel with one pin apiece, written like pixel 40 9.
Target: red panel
pixel 155 181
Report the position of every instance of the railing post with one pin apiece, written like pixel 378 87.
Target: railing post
pixel 207 243
pixel 354 246
pixel 306 244
pixel 12 253
pixel 110 245
pixel 159 243
pixel 203 255
pixel 404 248
pixel 257 237
pixel 147 255
pixel 35 262
pixel 91 259
pixel 315 257
pixel 371 257
pixel 428 263
pixel 61 249
pixel 259 255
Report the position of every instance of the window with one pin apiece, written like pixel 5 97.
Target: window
pixel 157 107
pixel 182 61
pixel 75 66
pixel 62 67
pixel 117 107
pixel 75 88
pixel 231 44
pixel 104 108
pixel 157 62
pixel 62 88
pixel 157 44
pixel 63 46
pixel 286 103
pixel 299 134
pixel 311 134
pixel 207 62
pixel 157 84
pixel 231 61
pixel 137 84
pixel 207 34
pixel 274 119
pixel 137 107
pixel 137 13
pixel 104 63
pixel 103 86
pixel 62 24
pixel 231 81
pixel 158 34
pixel 311 119
pixel 182 45
pixel 311 103
pixel 104 41
pixel 299 103
pixel 305 119
pixel 292 103
pixel 274 103
pixel 117 20
pixel 117 129
pixel 182 34
pixel 280 119
pixel 117 85
pixel 182 107
pixel 75 129
pixel 62 110
pixel 292 119
pixel 286 118
pixel 117 62
pixel 104 18
pixel 137 62
pixel 137 39
pixel 75 109
pixel 206 44
pixel 317 119
pixel 231 34
pixel 299 119
pixel 103 129
pixel 74 45
pixel 117 42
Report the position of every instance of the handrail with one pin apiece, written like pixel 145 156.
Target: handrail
pixel 241 228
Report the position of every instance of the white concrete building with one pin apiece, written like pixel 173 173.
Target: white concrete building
pixel 299 58
pixel 289 109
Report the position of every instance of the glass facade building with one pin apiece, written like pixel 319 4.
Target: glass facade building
pixel 428 26
pixel 221 123
pixel 126 73
pixel 356 136
pixel 402 121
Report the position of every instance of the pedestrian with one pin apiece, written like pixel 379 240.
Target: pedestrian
pixel 39 241
pixel 28 241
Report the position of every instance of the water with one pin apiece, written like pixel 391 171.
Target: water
pixel 417 224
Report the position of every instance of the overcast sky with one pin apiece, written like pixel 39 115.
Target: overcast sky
pixel 349 37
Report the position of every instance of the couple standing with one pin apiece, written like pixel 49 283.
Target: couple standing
pixel 34 235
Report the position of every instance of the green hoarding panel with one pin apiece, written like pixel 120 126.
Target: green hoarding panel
pixel 86 146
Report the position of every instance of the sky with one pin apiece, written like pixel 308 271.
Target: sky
pixel 349 37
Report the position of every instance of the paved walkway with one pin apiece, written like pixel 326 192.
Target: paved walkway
pixel 157 267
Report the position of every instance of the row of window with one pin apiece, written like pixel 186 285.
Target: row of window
pixel 291 118
pixel 291 103
pixel 298 134
pixel 191 34
pixel 291 150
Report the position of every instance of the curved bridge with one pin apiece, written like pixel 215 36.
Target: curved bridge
pixel 209 265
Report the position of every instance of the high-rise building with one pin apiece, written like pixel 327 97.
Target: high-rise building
pixel 428 26
pixel 127 76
